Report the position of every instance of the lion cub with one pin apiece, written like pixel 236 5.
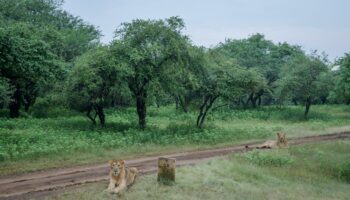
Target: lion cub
pixel 120 176
pixel 281 142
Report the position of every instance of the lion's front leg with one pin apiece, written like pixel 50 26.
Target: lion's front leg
pixel 111 185
pixel 120 187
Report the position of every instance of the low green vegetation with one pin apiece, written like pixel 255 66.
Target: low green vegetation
pixel 265 159
pixel 312 172
pixel 29 144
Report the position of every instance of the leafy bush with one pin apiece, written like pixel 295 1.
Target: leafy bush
pixel 344 171
pixel 47 108
pixel 269 159
pixel 40 108
pixel 288 113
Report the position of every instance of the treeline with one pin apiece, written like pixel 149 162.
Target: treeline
pixel 49 58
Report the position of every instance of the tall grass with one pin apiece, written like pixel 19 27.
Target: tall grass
pixel 31 138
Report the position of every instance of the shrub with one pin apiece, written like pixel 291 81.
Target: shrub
pixel 268 158
pixel 40 108
pixel 344 171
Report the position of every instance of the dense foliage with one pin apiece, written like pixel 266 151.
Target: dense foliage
pixel 52 59
pixel 342 80
pixel 38 43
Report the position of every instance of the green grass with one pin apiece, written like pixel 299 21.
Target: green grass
pixel 311 172
pixel 29 144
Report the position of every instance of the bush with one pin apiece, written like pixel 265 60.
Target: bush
pixel 40 108
pixel 47 108
pixel 268 158
pixel 344 171
pixel 3 156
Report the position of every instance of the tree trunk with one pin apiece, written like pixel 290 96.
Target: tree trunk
pixel 207 104
pixel 28 99
pixel 201 110
pixel 184 104
pixel 101 114
pixel 141 108
pixel 295 102
pixel 15 103
pixel 26 106
pixel 253 100
pixel 247 102
pixel 176 102
pixel 307 108
pixel 88 114
pixel 259 100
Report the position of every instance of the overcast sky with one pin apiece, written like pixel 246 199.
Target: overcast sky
pixel 314 24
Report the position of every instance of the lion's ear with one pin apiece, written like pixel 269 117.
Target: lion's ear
pixel 122 162
pixel 110 162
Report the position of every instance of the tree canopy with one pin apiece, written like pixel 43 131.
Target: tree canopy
pixel 342 80
pixel 147 48
pixel 47 53
pixel 302 80
pixel 90 83
pixel 38 43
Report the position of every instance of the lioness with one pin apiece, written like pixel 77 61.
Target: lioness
pixel 120 176
pixel 281 142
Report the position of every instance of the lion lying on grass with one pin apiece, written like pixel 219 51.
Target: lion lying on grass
pixel 281 142
pixel 120 176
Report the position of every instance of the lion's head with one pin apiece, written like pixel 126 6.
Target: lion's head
pixel 116 166
pixel 281 138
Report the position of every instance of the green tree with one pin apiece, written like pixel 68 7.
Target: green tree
pixel 39 39
pixel 67 36
pixel 342 80
pixel 147 48
pixel 26 61
pixel 303 78
pixel 91 83
pixel 222 79
pixel 188 77
pixel 265 57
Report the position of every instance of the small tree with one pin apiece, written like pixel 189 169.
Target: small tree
pixel 221 79
pixel 302 80
pixel 256 52
pixel 27 62
pixel 91 81
pixel 147 48
pixel 254 84
pixel 342 86
pixel 188 77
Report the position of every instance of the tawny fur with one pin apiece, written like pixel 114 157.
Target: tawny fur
pixel 120 176
pixel 281 142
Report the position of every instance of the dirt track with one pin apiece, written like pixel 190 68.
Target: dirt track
pixel 19 185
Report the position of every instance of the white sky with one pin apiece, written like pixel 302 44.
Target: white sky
pixel 314 24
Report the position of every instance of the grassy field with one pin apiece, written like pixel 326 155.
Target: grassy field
pixel 314 171
pixel 29 144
